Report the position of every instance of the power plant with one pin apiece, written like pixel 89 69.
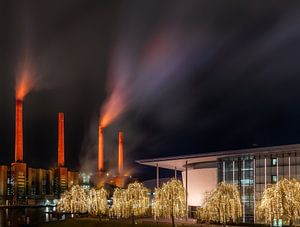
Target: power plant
pixel 100 150
pixel 100 178
pixel 61 172
pixel 24 185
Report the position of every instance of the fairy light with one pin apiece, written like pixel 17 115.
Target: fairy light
pixel 280 201
pixel 80 200
pixel 222 205
pixel 131 202
pixel 97 201
pixel 169 200
pixel 73 201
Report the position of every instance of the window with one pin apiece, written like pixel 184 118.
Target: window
pixel 274 179
pixel 274 161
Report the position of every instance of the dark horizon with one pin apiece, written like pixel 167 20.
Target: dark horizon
pixel 189 78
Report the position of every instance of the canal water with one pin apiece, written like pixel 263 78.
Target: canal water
pixel 13 217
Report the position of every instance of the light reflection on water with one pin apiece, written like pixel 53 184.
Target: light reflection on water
pixel 13 217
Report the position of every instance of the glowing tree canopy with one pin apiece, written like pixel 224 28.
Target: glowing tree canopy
pixel 97 201
pixel 73 201
pixel 222 205
pixel 170 201
pixel 131 202
pixel 79 200
pixel 280 201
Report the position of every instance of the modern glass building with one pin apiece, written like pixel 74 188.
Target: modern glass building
pixel 252 170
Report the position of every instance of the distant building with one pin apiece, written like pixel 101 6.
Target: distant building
pixel 73 179
pixel 252 170
pixel 50 182
pixel 37 182
pixel 60 180
pixel 85 180
pixel 18 173
pixel 3 182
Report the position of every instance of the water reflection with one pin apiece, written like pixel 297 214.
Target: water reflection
pixel 13 217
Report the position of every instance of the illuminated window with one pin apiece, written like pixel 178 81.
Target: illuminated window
pixel 274 161
pixel 274 179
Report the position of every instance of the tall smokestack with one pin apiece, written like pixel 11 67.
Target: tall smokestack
pixel 61 139
pixel 100 149
pixel 120 154
pixel 19 132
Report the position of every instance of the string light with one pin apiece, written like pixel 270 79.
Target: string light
pixel 222 205
pixel 131 202
pixel 170 201
pixel 97 201
pixel 80 200
pixel 280 201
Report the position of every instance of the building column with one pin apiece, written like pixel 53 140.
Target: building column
pixel 186 189
pixel 157 175
pixel 175 173
pixel 224 169
pixel 277 172
pixel 265 173
pixel 233 172
pixel 289 166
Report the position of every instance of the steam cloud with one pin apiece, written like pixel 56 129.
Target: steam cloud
pixel 151 56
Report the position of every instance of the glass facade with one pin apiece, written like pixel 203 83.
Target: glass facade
pixel 240 171
pixel 253 173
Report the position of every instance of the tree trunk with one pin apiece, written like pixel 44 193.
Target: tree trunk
pixel 173 221
pixel 132 219
pixel 172 212
pixel 291 222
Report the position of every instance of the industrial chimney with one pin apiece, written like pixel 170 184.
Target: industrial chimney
pixel 61 139
pixel 100 149
pixel 19 132
pixel 120 154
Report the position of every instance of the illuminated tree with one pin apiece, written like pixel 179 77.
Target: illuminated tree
pixel 280 201
pixel 97 201
pixel 131 202
pixel 170 201
pixel 73 201
pixel 222 205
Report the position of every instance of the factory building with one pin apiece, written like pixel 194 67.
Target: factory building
pixel 73 179
pixel 21 184
pixel 252 170
pixel 3 183
pixel 100 178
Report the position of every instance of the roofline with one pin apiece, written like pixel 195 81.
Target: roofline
pixel 248 151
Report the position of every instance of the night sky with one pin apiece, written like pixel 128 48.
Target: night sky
pixel 190 77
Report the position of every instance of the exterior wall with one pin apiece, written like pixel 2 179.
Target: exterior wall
pixel 3 181
pixel 61 180
pixel 239 170
pixel 18 183
pixel 19 179
pixel 41 181
pixel 200 181
pixel 73 179
pixel 85 180
pixel 32 182
pixel 254 173
pixel 50 182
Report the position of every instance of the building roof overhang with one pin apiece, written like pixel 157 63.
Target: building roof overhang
pixel 179 162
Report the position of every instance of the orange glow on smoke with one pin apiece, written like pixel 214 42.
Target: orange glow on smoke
pixel 24 83
pixel 112 108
